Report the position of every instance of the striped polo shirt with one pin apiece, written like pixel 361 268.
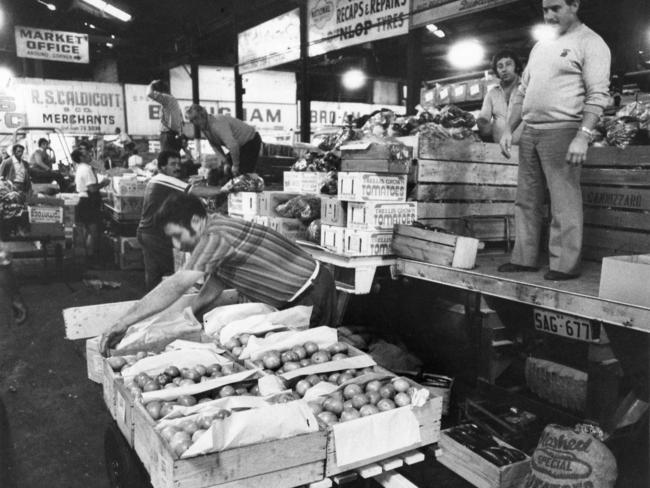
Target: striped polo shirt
pixel 260 263
pixel 155 193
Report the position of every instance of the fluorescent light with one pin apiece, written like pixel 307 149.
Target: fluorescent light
pixel 432 28
pixel 544 32
pixel 106 7
pixel 439 33
pixel 466 54
pixel 50 6
pixel 354 79
pixel 109 44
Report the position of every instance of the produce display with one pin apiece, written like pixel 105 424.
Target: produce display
pixel 356 400
pixel 180 437
pixel 301 356
pixel 482 443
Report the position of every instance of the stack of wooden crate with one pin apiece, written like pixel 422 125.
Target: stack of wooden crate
pixel 371 199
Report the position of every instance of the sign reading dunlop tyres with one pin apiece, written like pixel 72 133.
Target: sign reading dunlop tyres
pixel 334 24
pixel 49 45
pixel 371 187
pixel 428 11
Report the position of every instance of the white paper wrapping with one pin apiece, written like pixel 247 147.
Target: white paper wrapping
pixel 375 435
pixel 216 319
pixel 159 329
pixel 323 336
pixel 294 318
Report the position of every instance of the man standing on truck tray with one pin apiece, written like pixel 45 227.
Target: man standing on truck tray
pixel 494 113
pixel 563 92
pixel 260 263
pixel 242 140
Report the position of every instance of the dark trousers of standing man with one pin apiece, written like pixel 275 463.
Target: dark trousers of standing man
pixel 158 257
pixel 170 141
pixel 249 153
pixel 542 155
pixel 321 295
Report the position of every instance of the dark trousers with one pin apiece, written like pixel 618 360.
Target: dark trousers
pixel 249 153
pixel 170 141
pixel 322 296
pixel 158 257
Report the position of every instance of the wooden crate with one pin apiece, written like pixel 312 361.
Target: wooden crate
pixel 616 199
pixel 428 417
pixel 365 156
pixel 477 470
pixel 279 463
pixel 435 247
pixel 466 188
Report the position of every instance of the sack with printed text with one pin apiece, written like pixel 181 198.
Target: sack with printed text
pixel 573 458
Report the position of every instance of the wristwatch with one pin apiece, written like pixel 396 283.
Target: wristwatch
pixel 589 132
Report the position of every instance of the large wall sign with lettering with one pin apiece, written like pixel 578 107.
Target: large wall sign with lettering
pixel 334 24
pixel 49 45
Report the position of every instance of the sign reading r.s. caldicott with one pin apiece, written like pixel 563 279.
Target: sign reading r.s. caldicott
pixel 49 45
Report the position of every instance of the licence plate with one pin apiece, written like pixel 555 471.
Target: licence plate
pixel 577 328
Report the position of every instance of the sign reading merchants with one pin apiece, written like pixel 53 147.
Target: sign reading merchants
pixel 49 45
pixel 334 24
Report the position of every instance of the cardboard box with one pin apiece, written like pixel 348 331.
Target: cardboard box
pixel 244 204
pixel 128 186
pixel 289 228
pixel 459 92
pixel 333 238
pixel 380 215
pixel 625 279
pixel 371 187
pixel 269 200
pixel 45 214
pixel 333 211
pixel 443 94
pixel 368 243
pixel 304 181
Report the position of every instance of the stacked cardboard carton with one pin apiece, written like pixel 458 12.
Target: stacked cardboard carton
pixel 371 199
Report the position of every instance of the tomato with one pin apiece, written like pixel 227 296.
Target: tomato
pixel 334 378
pixel 243 339
pixel 373 385
pixel 387 391
pixel 289 356
pixel 116 362
pixel 228 369
pixel 350 414
pixel 333 405
pixel 338 347
pixel 373 397
pixel 350 390
pixel 213 369
pixel 402 399
pixel 188 426
pixel 153 408
pixel 310 348
pixel 291 365
pixel 172 371
pixel 186 400
pixel 328 418
pixel 141 379
pixel 344 377
pixel 162 379
pixel 305 362
pixel 316 407
pixel 202 370
pixel 299 351
pixel 272 360
pixel 151 386
pixel 338 356
pixel 360 400
pixel 401 385
pixel 368 410
pixel 385 404
pixel 231 343
pixel 314 379
pixel 226 391
pixel 320 357
pixel 302 386
pixel 168 432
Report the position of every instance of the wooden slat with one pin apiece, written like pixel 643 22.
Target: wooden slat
pixel 324 483
pixel 394 480
pixel 428 210
pixel 484 229
pixel 613 156
pixel 454 150
pixel 424 192
pixel 421 250
pixel 376 166
pixel 437 171
pixel 413 457
pixel 607 176
pixel 370 471
pixel 425 234
pixel 622 242
pixel 629 198
pixel 393 463
pixel 617 218
pixel 343 478
pixel 285 478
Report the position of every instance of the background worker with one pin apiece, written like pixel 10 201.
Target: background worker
pixel 261 264
pixel 563 92
pixel 89 209
pixel 156 246
pixel 171 116
pixel 16 170
pixel 493 117
pixel 41 166
pixel 242 140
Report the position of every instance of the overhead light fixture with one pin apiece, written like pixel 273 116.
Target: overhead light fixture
pixel 544 32
pixel 466 54
pixel 91 26
pixel 109 44
pixel 109 9
pixel 435 30
pixel 50 6
pixel 353 79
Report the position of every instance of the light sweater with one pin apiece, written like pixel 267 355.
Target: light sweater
pixel 565 78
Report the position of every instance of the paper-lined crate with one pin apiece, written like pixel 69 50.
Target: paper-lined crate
pixel 371 187
pixel 304 181
pixel 380 216
pixel 476 469
pixel 283 462
pixel 435 247
pixel 244 204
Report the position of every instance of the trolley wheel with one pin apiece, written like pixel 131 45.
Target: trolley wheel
pixel 123 466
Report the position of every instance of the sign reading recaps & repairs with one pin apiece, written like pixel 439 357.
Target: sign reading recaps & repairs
pixel 334 24
pixel 49 45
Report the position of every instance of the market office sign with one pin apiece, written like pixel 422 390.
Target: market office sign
pixel 334 24
pixel 428 11
pixel 271 43
pixel 49 45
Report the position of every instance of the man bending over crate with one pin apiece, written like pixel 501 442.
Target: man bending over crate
pixel 258 262
pixel 563 92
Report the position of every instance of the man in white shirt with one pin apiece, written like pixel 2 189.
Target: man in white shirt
pixel 494 112
pixel 89 209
